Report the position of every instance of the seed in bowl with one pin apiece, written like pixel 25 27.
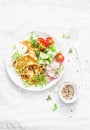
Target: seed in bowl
pixel 67 92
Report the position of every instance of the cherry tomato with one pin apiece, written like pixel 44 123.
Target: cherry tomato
pixel 49 41
pixel 60 57
pixel 41 41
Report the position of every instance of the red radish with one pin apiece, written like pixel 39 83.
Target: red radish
pixel 55 65
pixel 51 74
pixel 48 67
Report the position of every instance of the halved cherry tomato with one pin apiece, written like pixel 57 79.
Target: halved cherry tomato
pixel 60 57
pixel 41 44
pixel 42 41
pixel 49 41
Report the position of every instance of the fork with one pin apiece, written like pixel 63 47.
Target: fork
pixel 84 64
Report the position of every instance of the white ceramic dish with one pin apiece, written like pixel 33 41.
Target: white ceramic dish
pixel 16 78
pixel 74 98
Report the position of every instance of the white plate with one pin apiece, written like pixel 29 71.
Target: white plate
pixel 16 78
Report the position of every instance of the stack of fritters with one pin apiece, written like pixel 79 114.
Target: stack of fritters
pixel 26 66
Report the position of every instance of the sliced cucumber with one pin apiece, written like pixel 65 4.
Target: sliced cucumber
pixel 43 62
pixel 43 56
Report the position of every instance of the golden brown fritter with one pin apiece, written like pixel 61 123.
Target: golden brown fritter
pixel 30 71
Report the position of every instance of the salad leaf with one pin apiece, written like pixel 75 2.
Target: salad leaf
pixel 16 55
pixel 52 48
pixel 33 41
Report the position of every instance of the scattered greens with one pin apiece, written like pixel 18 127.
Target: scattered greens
pixel 48 98
pixel 55 107
pixel 70 50
pixel 66 36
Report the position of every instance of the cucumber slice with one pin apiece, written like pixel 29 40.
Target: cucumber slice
pixel 43 56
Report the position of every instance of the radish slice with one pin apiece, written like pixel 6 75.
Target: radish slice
pixel 48 67
pixel 55 65
pixel 51 74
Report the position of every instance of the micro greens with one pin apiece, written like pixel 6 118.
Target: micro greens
pixel 16 55
pixel 40 80
pixel 66 36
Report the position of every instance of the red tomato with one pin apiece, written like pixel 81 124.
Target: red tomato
pixel 60 57
pixel 49 41
pixel 42 41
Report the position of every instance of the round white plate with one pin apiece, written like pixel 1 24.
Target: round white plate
pixel 16 78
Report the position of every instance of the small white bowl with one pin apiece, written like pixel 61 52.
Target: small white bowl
pixel 74 98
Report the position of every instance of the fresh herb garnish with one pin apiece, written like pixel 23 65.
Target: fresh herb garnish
pixel 55 107
pixel 16 55
pixel 70 50
pixel 66 36
pixel 48 98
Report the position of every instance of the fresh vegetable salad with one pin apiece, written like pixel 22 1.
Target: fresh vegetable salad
pixel 37 60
